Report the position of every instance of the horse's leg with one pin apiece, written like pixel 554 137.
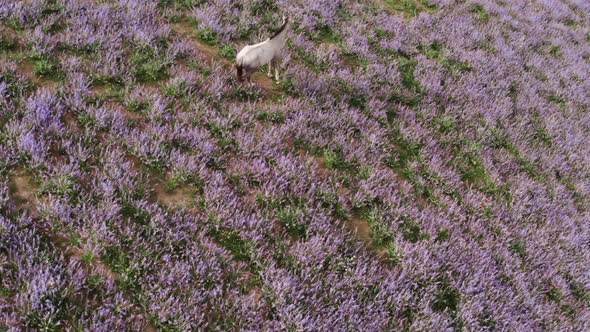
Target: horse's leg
pixel 269 74
pixel 250 72
pixel 275 63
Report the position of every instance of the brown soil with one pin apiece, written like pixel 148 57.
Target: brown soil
pixel 24 190
pixel 25 67
pixel 262 80
pixel 187 31
pixel 97 90
pixel 182 197
pixel 94 267
pixel 8 33
pixel 71 122
pixel 266 83
pixel 362 231
pixel 150 328
pixel 421 5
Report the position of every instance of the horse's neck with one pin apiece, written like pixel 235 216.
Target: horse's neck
pixel 281 38
pixel 278 41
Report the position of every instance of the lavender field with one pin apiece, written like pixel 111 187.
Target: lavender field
pixel 422 165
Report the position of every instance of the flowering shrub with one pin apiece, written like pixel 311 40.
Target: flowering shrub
pixel 422 165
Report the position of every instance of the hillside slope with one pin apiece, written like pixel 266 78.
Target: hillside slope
pixel 423 165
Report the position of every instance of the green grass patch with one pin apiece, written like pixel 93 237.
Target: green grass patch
pixel 405 159
pixel 180 4
pixel 580 198
pixel 555 51
pixel 354 97
pixel 404 151
pixel 64 186
pixel 354 60
pixel 554 294
pixel 119 260
pixel 447 297
pixel 501 140
pixel 277 117
pixel 541 134
pixel 7 44
pixel 13 22
pixel 406 67
pixel 324 33
pixel 173 90
pixel 135 213
pixel 88 257
pixel 288 219
pixel 16 89
pixel 247 93
pixel 578 290
pixel 223 136
pixel 410 231
pixel 287 86
pixel 231 240
pixel 557 100
pixel 116 258
pixel 481 13
pixel 379 233
pixel 138 106
pixel 381 236
pixel 86 120
pixel 47 68
pixel 442 235
pixel 444 124
pixel 470 165
pixel 286 209
pixel 148 65
pixel 411 92
pixel 107 80
pixel 518 248
pixel 408 7
pixel 261 7
pixel 180 177
pixel 207 36
pixel 227 51
pixel 428 5
pixel 335 160
pixel 439 53
pixel 331 202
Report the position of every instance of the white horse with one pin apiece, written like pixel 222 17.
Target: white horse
pixel 253 56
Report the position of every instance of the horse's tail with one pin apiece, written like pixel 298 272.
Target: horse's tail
pixel 240 71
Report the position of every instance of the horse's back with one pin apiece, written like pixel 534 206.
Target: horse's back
pixel 255 55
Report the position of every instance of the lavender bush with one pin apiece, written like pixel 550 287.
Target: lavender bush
pixel 423 165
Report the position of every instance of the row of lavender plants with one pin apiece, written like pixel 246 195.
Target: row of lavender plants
pixel 421 166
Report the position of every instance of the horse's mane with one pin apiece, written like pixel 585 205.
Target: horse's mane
pixel 281 29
